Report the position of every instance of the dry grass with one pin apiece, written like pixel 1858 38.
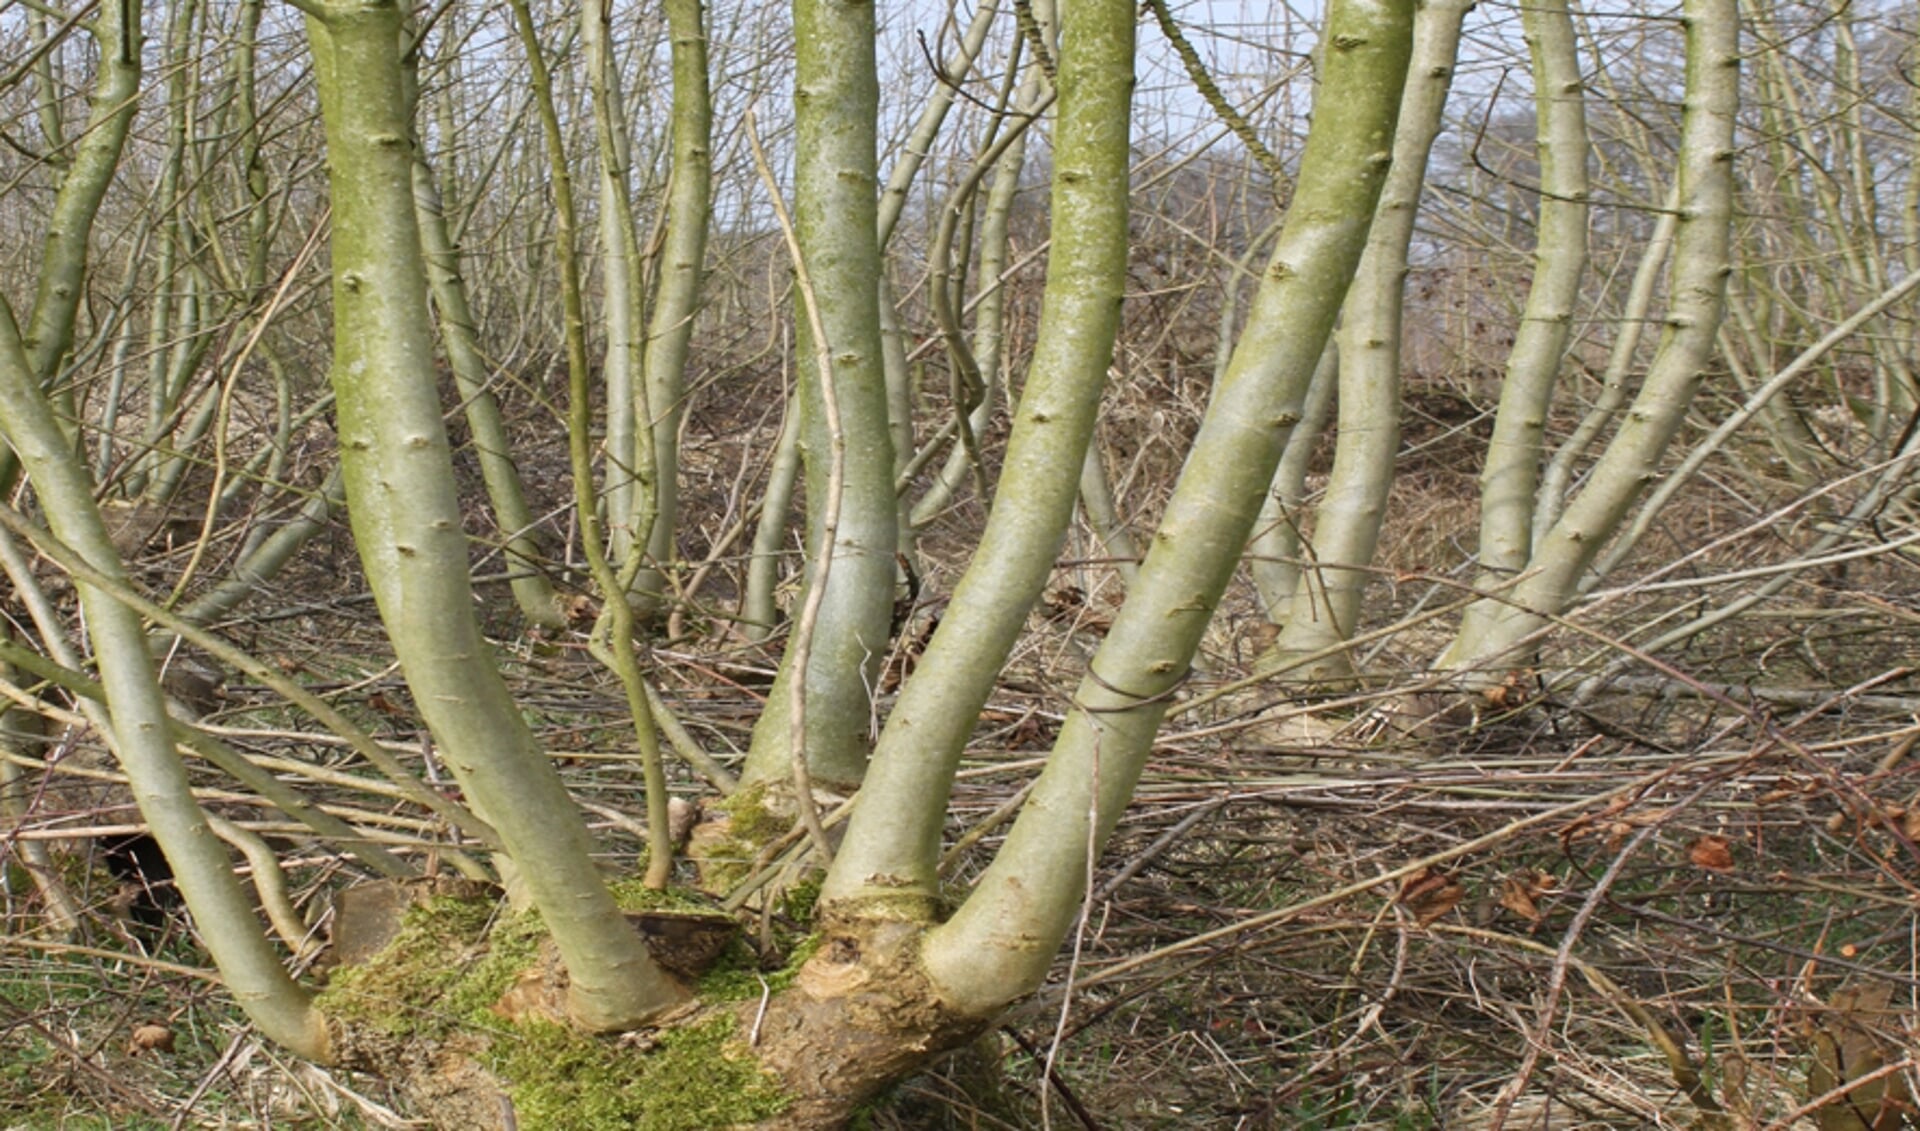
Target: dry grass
pixel 1607 887
pixel 1370 964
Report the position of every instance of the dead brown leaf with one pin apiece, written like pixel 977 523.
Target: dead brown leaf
pixel 1617 834
pixel 1430 893
pixel 1520 892
pixel 1714 853
pixel 150 1037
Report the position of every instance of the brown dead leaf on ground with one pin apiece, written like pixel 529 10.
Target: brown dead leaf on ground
pixel 1713 853
pixel 1430 893
pixel 1520 892
pixel 150 1037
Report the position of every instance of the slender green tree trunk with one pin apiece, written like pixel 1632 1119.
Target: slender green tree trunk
pixel 1273 554
pixel 1348 519
pixel 532 591
pixel 1702 263
pixel 677 290
pixel 1756 405
pixel 170 329
pixel 999 944
pixel 88 172
pixel 264 559
pixel 140 734
pixel 987 342
pixel 407 523
pixel 1002 940
pixel 1510 480
pixel 48 93
pixel 759 611
pixel 836 95
pixel 893 843
pixel 1838 210
pixel 631 487
pixel 913 155
pixel 1557 482
pixel 611 640
pixel 1102 512
pixel 48 333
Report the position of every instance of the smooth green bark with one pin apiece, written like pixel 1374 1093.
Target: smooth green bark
pixel 1349 516
pixel 682 270
pixel 48 333
pixel 1510 479
pixel 631 486
pixel 893 843
pixel 1840 212
pixel 926 128
pixel 171 335
pixel 141 730
pixel 1102 512
pixel 256 569
pixel 1001 942
pixel 532 591
pixel 1756 405
pixel 1557 483
pixel 407 525
pixel 913 155
pixel 836 97
pixel 29 361
pixel 759 612
pixel 611 640
pixel 1273 554
pixel 988 340
pixel 1702 263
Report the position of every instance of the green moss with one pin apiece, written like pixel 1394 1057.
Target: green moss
pixel 799 900
pixel 754 821
pixel 737 976
pixel 453 959
pixel 633 894
pixel 511 948
pixel 724 866
pixel 441 957
pixel 693 1078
